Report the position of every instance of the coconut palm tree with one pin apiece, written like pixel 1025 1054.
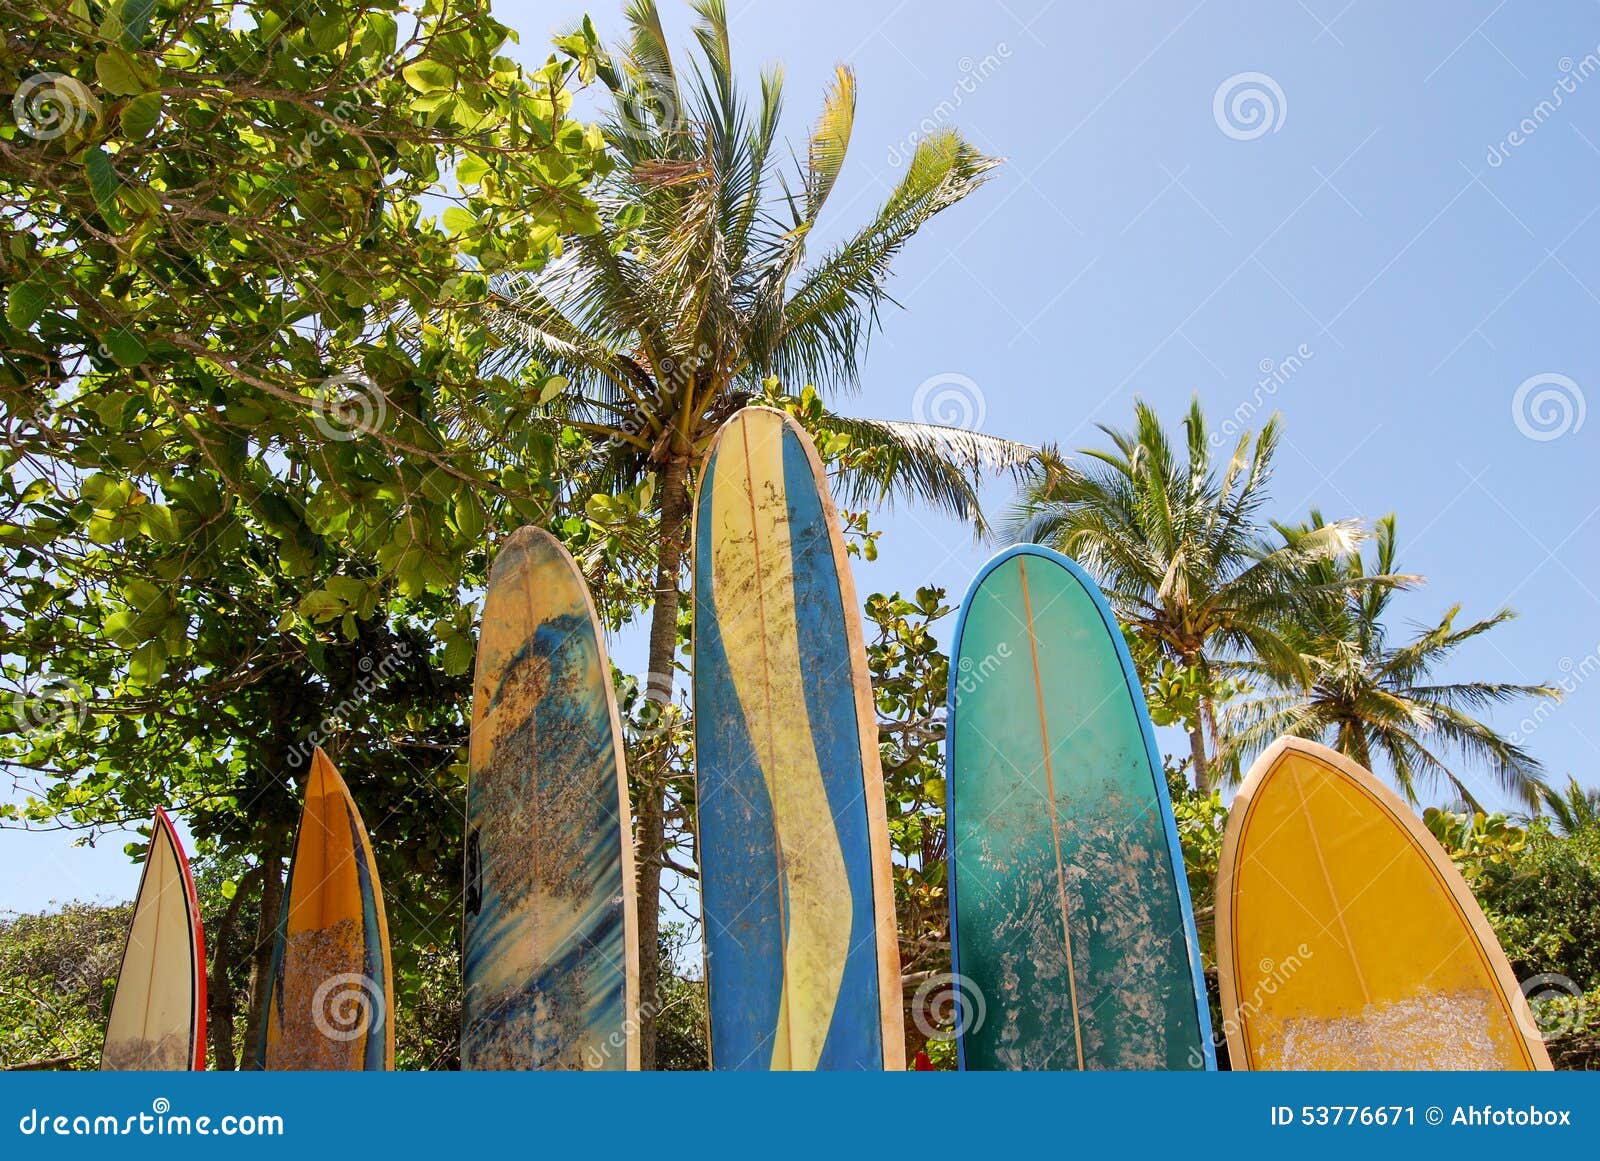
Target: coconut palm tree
pixel 1358 690
pixel 696 292
pixel 1176 541
pixel 1572 809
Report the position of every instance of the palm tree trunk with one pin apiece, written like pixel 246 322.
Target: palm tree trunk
pixel 1197 732
pixel 1197 756
pixel 650 840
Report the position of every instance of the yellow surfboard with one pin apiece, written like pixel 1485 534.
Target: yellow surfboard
pixel 331 1004
pixel 1346 939
pixel 158 1015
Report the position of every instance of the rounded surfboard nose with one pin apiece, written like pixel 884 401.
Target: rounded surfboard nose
pixel 1346 939
pixel 1073 938
pixel 158 1014
pixel 802 961
pixel 551 959
pixel 330 1006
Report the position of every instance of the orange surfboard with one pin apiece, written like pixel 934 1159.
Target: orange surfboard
pixel 1346 939
pixel 158 1015
pixel 331 1003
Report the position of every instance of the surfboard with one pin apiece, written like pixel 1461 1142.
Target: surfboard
pixel 158 1014
pixel 331 1003
pixel 1072 936
pixel 1346 939
pixel 551 966
pixel 802 964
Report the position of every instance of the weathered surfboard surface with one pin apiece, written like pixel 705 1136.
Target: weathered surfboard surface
pixel 331 1004
pixel 551 961
pixel 1346 939
pixel 1071 922
pixel 801 956
pixel 158 1015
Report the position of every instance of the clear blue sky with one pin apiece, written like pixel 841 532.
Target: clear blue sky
pixel 1136 244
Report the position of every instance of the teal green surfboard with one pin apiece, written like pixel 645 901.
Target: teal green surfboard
pixel 1072 936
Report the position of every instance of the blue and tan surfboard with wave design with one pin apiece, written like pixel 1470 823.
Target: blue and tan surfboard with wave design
pixel 550 957
pixel 801 960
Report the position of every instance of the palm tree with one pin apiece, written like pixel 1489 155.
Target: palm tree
pixel 694 293
pixel 1572 809
pixel 1176 543
pixel 1363 694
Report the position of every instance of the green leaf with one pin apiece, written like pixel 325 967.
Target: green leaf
pixel 552 388
pixel 148 663
pixel 428 76
pixel 136 21
pixel 121 74
pixel 125 349
pixel 229 889
pixel 140 115
pixel 103 179
pixel 24 305
pixel 459 220
pixel 321 606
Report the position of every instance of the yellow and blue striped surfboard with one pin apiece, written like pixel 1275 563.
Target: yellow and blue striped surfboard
pixel 801 962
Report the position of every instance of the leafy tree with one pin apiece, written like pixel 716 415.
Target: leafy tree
pixel 1176 539
pixel 232 487
pixel 910 679
pixel 1349 684
pixel 695 287
pixel 1540 890
pixel 56 975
